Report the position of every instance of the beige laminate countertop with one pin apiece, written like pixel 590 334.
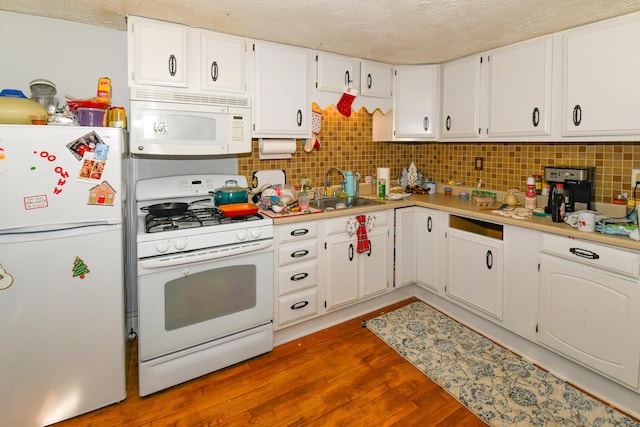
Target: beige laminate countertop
pixel 452 204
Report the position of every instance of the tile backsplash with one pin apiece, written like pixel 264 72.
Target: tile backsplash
pixel 346 143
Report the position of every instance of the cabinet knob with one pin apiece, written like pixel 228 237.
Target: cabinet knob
pixel 577 115
pixel 448 123
pixel 214 71
pixel 535 117
pixel 173 65
pixel 369 81
pixel 299 118
pixel 425 123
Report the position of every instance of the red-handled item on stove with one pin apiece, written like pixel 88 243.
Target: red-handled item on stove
pixel 238 209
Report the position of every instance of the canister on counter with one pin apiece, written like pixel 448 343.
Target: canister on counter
pixel 116 117
pixel 430 186
pixel 447 191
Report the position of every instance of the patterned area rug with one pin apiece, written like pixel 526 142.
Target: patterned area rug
pixel 499 387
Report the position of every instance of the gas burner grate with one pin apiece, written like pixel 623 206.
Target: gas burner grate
pixel 196 217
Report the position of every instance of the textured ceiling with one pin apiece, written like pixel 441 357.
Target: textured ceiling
pixel 392 31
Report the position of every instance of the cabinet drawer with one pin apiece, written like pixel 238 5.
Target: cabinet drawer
pixel 338 225
pixel 300 251
pixel 297 231
pixel 297 276
pixel 297 306
pixel 599 256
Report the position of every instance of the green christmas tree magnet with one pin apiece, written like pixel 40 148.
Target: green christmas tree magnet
pixel 80 268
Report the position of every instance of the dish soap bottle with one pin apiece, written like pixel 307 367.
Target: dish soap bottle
pixel 557 206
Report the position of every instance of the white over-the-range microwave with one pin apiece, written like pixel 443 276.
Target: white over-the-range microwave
pixel 163 123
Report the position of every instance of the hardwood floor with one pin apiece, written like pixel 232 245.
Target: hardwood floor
pixel 341 376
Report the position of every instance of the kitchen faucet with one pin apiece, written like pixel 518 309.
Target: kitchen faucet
pixel 327 184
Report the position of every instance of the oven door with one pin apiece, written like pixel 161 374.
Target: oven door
pixel 187 305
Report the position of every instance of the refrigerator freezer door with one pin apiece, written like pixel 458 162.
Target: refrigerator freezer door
pixel 53 175
pixel 61 323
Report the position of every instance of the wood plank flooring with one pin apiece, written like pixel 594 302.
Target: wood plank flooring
pixel 341 376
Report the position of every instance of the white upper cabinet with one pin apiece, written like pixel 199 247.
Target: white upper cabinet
pixel 157 52
pixel 177 56
pixel 415 103
pixel 461 97
pixel 376 79
pixel 372 80
pixel 602 78
pixel 222 62
pixel 520 89
pixel 282 105
pixel 336 72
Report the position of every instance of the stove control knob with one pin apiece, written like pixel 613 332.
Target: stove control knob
pixel 180 244
pixel 162 246
pixel 242 235
pixel 255 233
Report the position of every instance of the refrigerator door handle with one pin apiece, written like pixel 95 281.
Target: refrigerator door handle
pixel 33 234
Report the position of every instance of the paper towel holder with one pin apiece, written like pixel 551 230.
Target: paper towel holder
pixel 285 154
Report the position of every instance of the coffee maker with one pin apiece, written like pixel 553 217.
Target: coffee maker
pixel 578 186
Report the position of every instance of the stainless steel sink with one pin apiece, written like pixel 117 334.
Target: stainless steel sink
pixel 342 203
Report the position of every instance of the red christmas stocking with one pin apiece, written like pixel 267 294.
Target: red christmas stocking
pixel 344 105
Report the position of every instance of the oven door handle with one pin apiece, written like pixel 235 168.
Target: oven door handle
pixel 205 255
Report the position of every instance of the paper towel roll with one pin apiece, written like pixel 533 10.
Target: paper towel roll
pixel 276 148
pixel 384 173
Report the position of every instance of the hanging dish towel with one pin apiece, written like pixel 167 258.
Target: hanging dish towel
pixel 363 240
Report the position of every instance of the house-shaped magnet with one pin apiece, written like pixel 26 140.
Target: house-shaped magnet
pixel 102 194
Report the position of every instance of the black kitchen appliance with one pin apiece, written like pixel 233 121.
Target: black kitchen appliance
pixel 578 184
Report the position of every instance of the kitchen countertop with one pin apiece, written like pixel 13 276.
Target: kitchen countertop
pixel 452 204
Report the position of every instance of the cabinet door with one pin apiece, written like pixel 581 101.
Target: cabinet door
pixel 428 232
pixel 415 101
pixel 592 317
pixel 342 271
pixel 461 97
pixel 475 271
pixel 159 53
pixel 520 89
pixel 282 107
pixel 335 72
pixel 601 82
pixel 405 246
pixel 375 263
pixel 222 63
pixel 376 79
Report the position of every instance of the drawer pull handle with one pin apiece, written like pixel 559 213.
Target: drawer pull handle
pixel 173 65
pixel 350 252
pixel 299 305
pixel 429 224
pixel 299 276
pixel 299 232
pixel 299 254
pixel 584 253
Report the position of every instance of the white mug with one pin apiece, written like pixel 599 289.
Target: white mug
pixel 582 220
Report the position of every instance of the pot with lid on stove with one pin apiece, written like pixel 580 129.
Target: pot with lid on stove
pixel 230 193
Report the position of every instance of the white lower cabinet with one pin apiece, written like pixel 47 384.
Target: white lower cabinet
pixel 296 275
pixel 419 238
pixel 590 306
pixel 352 276
pixel 475 265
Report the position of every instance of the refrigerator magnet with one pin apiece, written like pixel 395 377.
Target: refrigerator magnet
pixel 91 169
pixel 88 142
pixel 6 280
pixel 102 194
pixel 79 269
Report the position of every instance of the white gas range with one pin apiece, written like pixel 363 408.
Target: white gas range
pixel 205 281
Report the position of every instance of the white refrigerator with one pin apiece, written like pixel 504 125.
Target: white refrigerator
pixel 61 272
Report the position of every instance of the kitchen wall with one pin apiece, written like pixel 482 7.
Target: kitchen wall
pixel 71 55
pixel 347 143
